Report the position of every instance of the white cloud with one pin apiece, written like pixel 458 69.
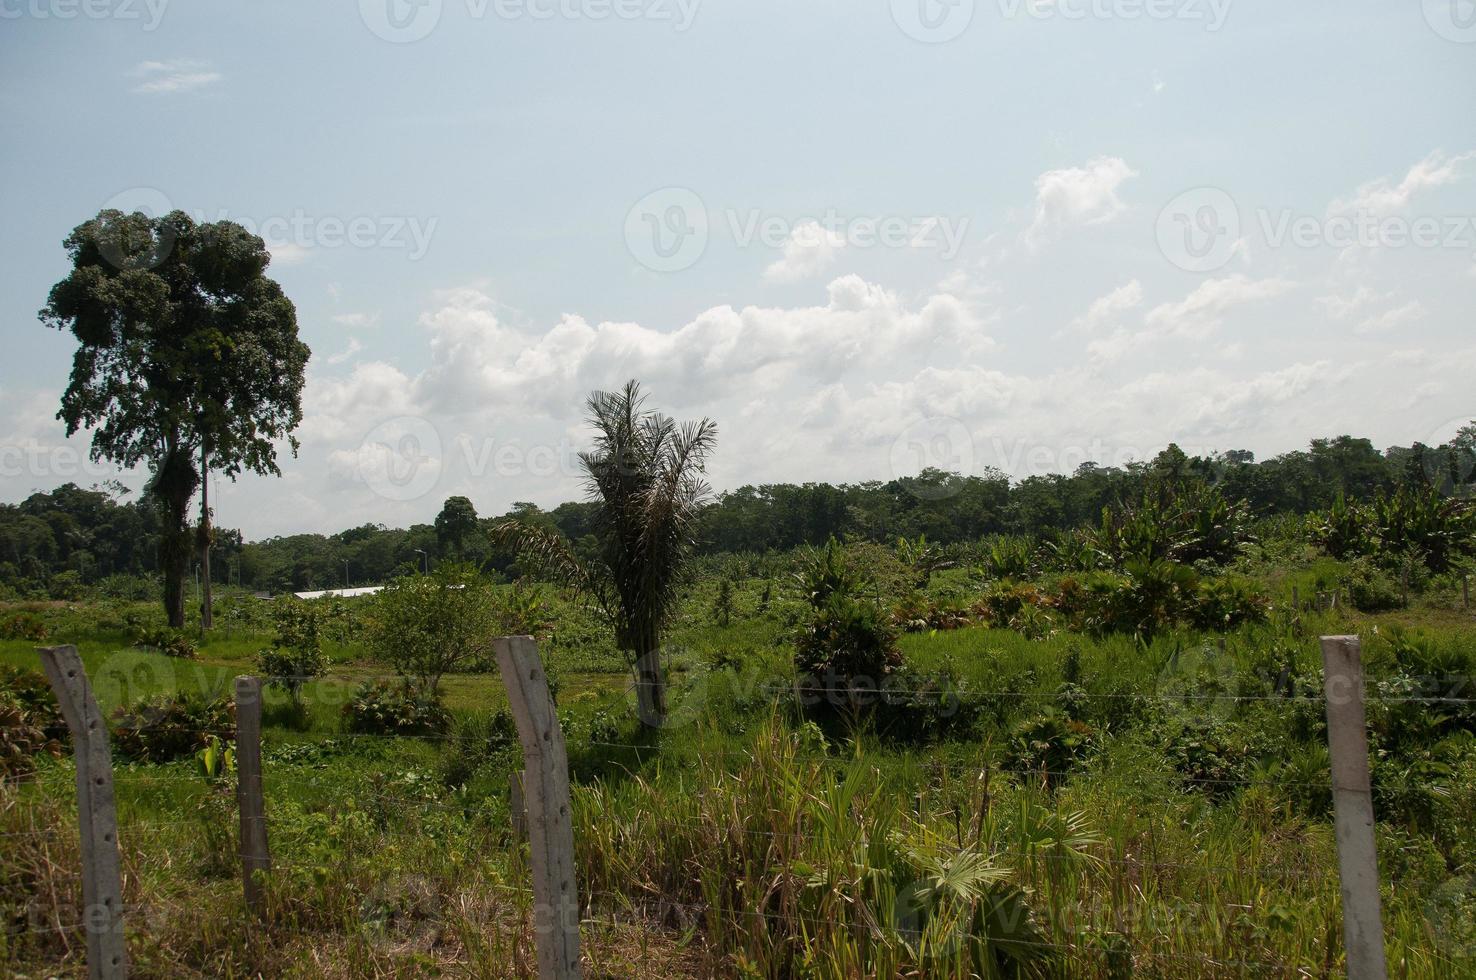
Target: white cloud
pixel 810 250
pixel 168 77
pixel 1384 196
pixel 1109 308
pixel 1078 196
pixel 353 348
pixel 1342 308
pixel 1199 313
pixel 288 253
pixel 1389 319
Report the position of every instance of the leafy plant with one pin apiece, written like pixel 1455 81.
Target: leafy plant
pixel 387 708
pixel 426 626
pixel 296 654
pixel 171 726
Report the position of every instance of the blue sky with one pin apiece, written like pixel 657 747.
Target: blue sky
pixel 862 236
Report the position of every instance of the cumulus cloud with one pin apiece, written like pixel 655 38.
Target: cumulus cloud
pixel 1396 317
pixel 1345 307
pixel 1084 195
pixel 810 250
pixel 1202 311
pixel 353 348
pixel 1108 309
pixel 1385 196
pixel 170 77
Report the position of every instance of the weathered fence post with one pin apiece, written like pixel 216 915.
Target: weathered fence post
pixel 1353 816
pixel 97 813
pixel 255 855
pixel 550 824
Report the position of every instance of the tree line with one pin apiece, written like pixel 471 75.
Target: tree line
pixel 58 543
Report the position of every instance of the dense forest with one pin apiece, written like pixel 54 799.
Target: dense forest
pixel 71 540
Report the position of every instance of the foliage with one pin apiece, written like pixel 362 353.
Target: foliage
pixel 22 626
pixel 426 626
pixel 170 642
pixel 386 708
pixel 645 475
pixel 170 726
pixel 296 653
pixel 186 352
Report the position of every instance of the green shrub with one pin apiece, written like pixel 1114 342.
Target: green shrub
pixel 1370 588
pixel 32 692
pixel 23 626
pixel 426 626
pixel 846 641
pixel 296 654
pixel 171 726
pixel 171 643
pixel 391 708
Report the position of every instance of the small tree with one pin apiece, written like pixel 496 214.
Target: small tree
pixel 645 475
pixel 427 626
pixel 296 653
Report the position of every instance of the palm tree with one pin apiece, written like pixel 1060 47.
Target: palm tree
pixel 645 473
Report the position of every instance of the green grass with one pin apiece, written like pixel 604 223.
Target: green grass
pixel 1129 825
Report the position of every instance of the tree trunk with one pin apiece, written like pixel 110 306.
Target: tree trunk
pixel 206 620
pixel 173 487
pixel 650 683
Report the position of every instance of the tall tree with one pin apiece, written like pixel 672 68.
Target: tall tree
pixel 645 476
pixel 186 351
pixel 456 522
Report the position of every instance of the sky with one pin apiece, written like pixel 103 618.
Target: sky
pixel 863 236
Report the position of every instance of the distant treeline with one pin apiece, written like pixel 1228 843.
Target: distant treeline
pixel 59 543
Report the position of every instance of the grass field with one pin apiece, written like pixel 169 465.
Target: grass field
pixel 1083 805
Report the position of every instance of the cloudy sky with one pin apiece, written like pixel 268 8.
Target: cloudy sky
pixel 864 236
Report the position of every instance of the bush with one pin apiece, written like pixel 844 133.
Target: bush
pixel 23 626
pixel 847 641
pixel 426 626
pixel 171 726
pixel 171 643
pixel 32 692
pixel 1371 589
pixel 386 708
pixel 22 739
pixel 296 654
